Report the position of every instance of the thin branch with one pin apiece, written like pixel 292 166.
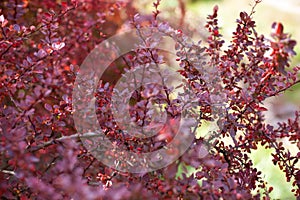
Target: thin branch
pixel 44 25
pixel 8 172
pixel 285 88
pixel 54 141
pixel 5 51
pixel 33 126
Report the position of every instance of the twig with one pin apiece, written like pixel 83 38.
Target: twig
pixel 8 172
pixel 53 141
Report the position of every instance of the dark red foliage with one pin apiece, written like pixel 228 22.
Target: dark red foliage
pixel 42 45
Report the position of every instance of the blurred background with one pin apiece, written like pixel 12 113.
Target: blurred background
pixel 267 12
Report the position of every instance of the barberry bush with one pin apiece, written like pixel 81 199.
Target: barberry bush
pixel 43 154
